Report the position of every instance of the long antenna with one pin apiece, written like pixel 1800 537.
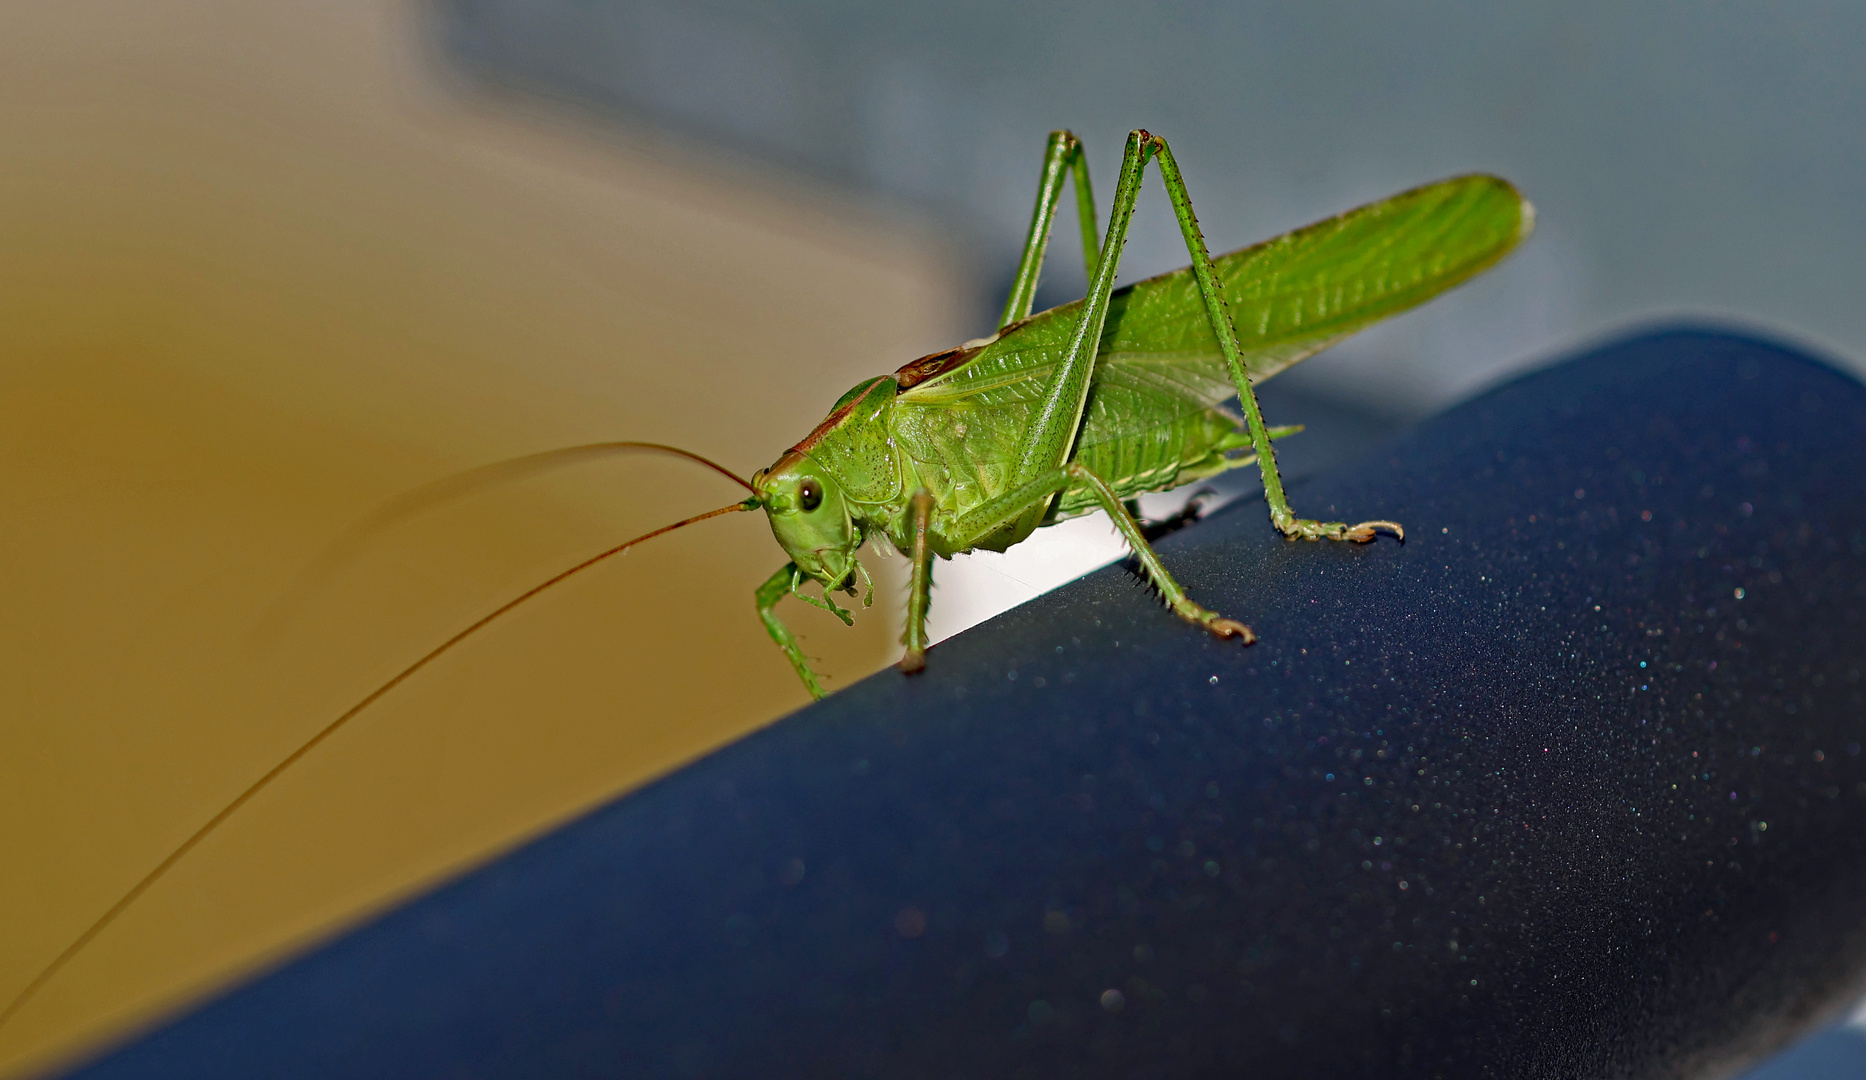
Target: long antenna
pixel 354 539
pixel 244 797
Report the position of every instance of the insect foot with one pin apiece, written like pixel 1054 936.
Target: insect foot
pixel 1304 529
pixel 1231 628
pixel 1212 622
pixel 1367 530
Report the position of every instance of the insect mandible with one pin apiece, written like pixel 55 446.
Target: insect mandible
pixel 1084 406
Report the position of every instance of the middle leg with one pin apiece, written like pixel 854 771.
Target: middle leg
pixel 920 585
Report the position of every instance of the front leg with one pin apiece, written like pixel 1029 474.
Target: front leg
pixel 768 596
pixel 1281 515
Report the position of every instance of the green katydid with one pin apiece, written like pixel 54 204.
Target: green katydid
pixel 1092 403
pixel 1084 406
pixel 1081 407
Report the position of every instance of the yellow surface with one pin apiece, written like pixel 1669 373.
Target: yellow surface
pixel 261 268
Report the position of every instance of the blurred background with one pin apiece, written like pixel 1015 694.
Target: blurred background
pixel 1683 156
pixel 264 265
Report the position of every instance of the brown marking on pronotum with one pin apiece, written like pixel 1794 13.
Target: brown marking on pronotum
pixel 933 365
pixel 833 419
pixel 936 364
pixel 915 372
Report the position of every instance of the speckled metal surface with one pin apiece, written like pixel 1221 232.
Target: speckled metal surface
pixel 1568 785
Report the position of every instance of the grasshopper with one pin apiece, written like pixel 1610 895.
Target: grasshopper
pixel 1092 403
pixel 1084 406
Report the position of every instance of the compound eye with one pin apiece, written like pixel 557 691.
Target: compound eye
pixel 809 495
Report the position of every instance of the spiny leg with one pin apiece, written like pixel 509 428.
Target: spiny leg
pixel 982 521
pixel 1063 154
pixel 1050 439
pixel 768 595
pixel 920 585
pixel 1281 515
pixel 1170 591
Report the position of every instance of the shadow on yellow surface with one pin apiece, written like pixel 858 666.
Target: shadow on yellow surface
pixel 260 270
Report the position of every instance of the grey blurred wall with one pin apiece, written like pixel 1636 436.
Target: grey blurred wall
pixel 1698 157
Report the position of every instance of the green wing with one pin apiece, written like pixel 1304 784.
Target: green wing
pixel 1290 297
pixel 1151 420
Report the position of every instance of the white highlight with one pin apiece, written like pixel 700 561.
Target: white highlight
pixel 969 589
